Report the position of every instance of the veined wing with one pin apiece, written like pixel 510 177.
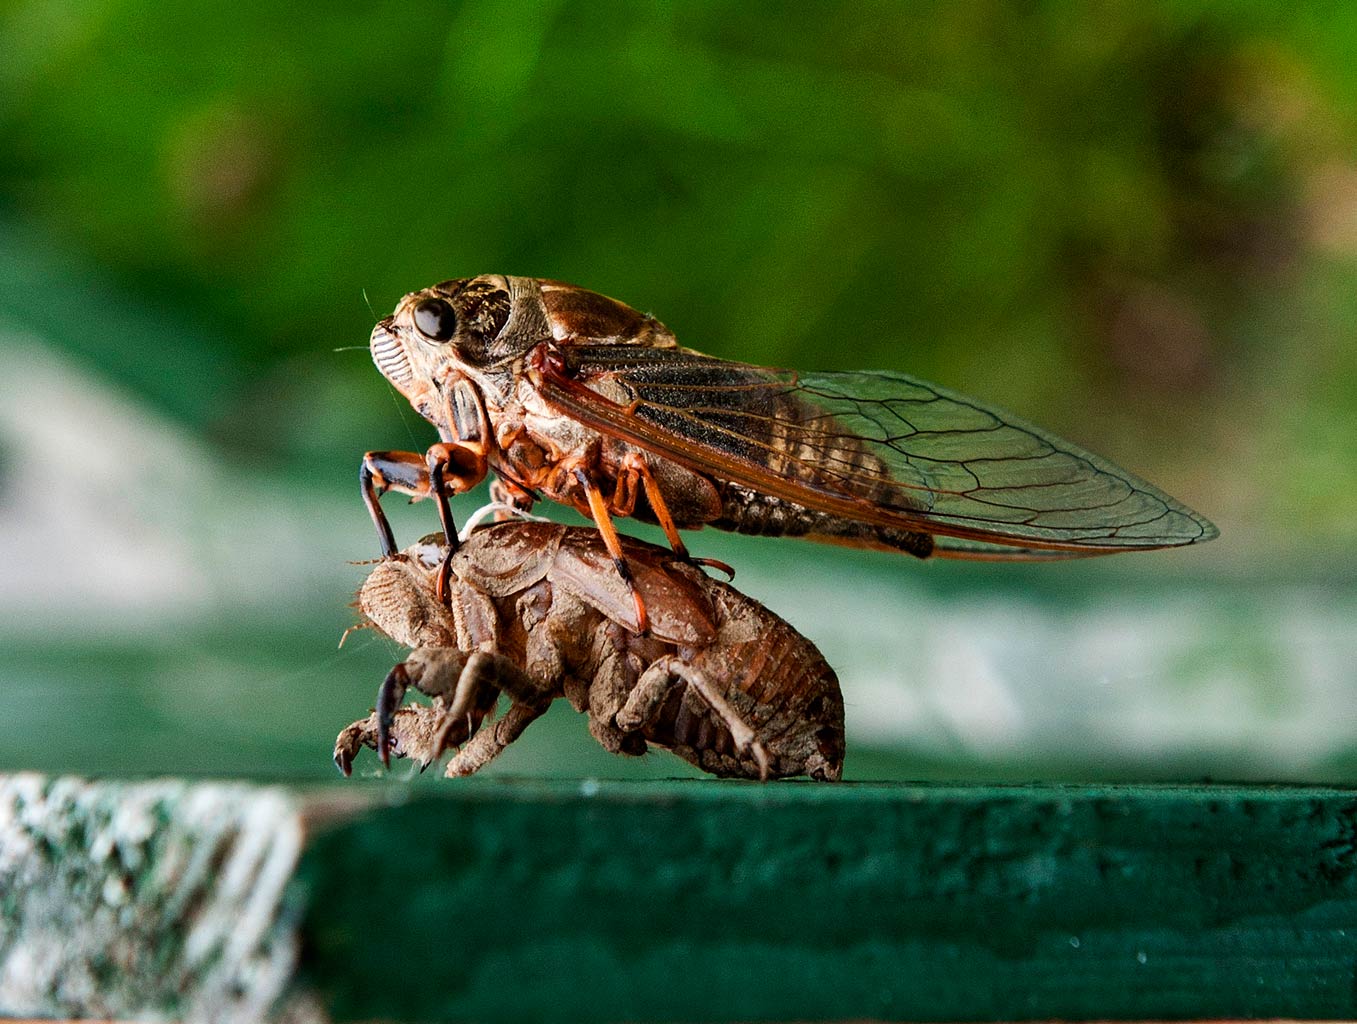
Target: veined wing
pixel 876 447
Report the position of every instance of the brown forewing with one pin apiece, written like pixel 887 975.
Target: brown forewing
pixel 875 447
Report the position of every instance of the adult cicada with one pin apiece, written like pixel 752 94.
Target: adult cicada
pixel 570 395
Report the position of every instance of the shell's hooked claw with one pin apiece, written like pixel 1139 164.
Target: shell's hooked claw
pixel 389 697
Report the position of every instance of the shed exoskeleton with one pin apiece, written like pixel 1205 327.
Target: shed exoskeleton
pixel 535 611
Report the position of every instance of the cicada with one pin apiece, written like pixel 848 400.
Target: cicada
pixel 569 395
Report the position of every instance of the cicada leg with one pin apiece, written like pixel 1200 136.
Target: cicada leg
pixel 410 734
pixel 490 742
pixel 659 681
pixel 467 683
pixel 437 466
pixel 598 509
pixel 505 492
pixel 390 471
pixel 635 467
pixel 456 468
pixel 444 469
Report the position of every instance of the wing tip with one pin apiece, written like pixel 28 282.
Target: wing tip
pixel 1210 531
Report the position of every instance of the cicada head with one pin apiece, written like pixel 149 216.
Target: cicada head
pixel 459 325
pixel 398 598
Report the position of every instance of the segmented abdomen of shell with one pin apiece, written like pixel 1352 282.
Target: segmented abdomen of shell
pixel 776 681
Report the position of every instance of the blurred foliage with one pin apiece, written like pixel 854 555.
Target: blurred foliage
pixel 1135 222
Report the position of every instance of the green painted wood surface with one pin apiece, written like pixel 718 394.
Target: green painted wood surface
pixel 516 900
pixel 697 901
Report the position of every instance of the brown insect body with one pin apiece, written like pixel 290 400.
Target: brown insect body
pixel 568 394
pixel 479 394
pixel 535 610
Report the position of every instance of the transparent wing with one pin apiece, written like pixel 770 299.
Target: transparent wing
pixel 877 447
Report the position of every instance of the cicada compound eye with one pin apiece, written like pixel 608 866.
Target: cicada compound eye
pixel 435 320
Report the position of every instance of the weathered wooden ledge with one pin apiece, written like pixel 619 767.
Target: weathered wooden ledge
pixel 696 901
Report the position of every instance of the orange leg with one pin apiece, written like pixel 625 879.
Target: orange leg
pixel 598 508
pixel 390 471
pixel 460 466
pixel 456 468
pixel 636 466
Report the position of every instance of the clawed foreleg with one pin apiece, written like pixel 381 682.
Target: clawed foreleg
pixel 465 687
pixel 437 672
pixel 482 677
pixel 467 684
pixel 411 734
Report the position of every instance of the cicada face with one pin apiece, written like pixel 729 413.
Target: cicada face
pixel 454 328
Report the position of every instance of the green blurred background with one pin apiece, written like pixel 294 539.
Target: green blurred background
pixel 1135 223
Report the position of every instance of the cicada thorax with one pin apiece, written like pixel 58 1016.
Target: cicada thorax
pixel 579 316
pixel 540 450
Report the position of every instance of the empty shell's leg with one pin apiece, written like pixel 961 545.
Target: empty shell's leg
pixel 467 692
pixel 656 684
pixel 436 671
pixel 469 685
pixel 469 701
pixel 487 744
pixel 608 693
pixel 350 739
pixel 389 697
pixel 410 734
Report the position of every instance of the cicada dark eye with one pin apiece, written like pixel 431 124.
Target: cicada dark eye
pixel 435 320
